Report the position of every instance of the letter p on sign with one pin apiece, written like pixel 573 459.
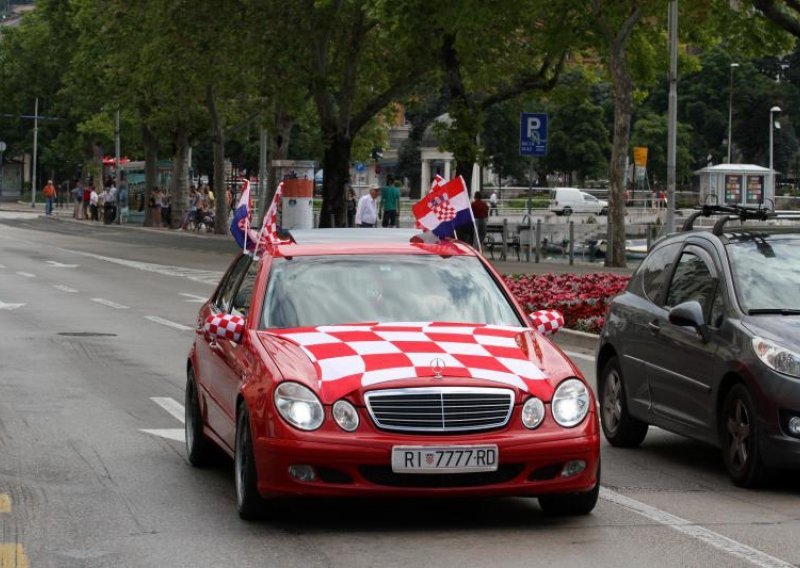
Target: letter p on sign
pixel 533 127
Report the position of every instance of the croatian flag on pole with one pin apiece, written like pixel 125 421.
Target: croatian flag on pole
pixel 240 224
pixel 444 208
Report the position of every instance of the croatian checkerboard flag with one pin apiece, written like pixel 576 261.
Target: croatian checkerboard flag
pixel 240 224
pixel 268 235
pixel 444 208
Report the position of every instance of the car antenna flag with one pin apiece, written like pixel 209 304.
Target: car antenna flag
pixel 268 235
pixel 445 208
pixel 245 237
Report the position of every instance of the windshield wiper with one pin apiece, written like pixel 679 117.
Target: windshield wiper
pixel 779 311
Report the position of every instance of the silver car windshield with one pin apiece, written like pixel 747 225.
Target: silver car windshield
pixel 327 290
pixel 766 272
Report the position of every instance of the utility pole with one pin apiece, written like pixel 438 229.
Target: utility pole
pixel 35 151
pixel 116 165
pixel 672 114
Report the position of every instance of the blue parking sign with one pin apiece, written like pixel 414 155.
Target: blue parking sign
pixel 533 134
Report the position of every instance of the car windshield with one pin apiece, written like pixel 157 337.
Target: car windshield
pixel 326 290
pixel 766 272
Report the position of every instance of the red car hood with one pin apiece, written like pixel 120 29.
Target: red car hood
pixel 347 360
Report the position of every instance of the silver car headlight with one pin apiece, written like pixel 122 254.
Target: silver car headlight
pixel 532 413
pixel 570 403
pixel 299 406
pixel 345 415
pixel 777 357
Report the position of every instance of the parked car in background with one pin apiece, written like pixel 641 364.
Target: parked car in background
pixel 358 363
pixel 705 342
pixel 569 200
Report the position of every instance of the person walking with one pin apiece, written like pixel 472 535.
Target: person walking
pixel 77 197
pixel 480 211
pixel 87 193
pixel 49 194
pixel 94 200
pixel 493 204
pixel 124 210
pixel 351 204
pixel 109 205
pixel 367 210
pixel 155 206
pixel 390 201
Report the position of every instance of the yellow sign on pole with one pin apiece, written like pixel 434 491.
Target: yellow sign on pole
pixel 640 156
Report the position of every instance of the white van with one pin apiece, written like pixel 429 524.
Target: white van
pixel 569 200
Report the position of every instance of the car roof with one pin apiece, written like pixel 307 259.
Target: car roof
pixel 321 242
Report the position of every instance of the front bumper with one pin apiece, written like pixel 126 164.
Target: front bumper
pixel 360 465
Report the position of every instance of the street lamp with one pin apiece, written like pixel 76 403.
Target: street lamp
pixel 772 111
pixel 730 113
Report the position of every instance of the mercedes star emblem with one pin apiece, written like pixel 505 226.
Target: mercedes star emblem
pixel 437 366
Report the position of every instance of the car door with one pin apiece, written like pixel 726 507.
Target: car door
pixel 684 363
pixel 214 368
pixel 234 357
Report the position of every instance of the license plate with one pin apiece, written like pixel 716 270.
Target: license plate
pixel 444 459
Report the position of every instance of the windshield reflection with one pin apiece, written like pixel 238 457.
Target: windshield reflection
pixel 766 271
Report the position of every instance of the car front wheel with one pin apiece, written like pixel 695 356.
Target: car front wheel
pixel 248 501
pixel 571 504
pixel 199 449
pixel 739 439
pixel 619 427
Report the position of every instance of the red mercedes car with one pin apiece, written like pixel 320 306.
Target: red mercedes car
pixel 365 363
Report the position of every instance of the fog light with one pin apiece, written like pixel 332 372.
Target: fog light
pixel 302 472
pixel 573 467
pixel 794 425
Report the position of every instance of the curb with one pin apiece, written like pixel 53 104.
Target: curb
pixel 576 339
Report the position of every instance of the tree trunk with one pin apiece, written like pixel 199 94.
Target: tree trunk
pixel 623 105
pixel 150 144
pixel 336 165
pixel 180 176
pixel 278 149
pixel 218 145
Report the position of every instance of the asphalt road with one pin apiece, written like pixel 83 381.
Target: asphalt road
pixel 96 325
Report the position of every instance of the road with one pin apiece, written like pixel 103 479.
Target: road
pixel 97 322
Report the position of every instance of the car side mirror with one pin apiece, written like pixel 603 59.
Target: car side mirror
pixel 547 322
pixel 224 326
pixel 690 314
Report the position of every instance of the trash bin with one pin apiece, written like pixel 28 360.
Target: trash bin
pixel 109 213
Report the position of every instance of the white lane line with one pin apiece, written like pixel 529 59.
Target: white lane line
pixel 171 405
pixel 9 307
pixel 166 322
pixel 576 355
pixel 26 274
pixel 56 264
pixel 65 288
pixel 109 303
pixel 176 409
pixel 194 298
pixel 718 541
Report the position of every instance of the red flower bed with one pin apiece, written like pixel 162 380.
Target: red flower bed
pixel 582 299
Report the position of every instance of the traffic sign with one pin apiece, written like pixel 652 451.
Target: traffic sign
pixel 533 134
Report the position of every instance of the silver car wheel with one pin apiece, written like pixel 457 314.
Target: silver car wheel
pixel 739 430
pixel 612 401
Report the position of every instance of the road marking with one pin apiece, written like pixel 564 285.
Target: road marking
pixel 718 541
pixel 60 265
pixel 211 277
pixel 194 298
pixel 4 306
pixel 172 324
pixel 26 274
pixel 5 503
pixel 65 288
pixel 176 409
pixel 171 405
pixel 109 303
pixel 13 556
pixel 2 265
pixel 576 355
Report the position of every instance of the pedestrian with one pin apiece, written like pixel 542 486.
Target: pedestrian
pixel 480 211
pixel 166 209
pixel 87 192
pixel 367 209
pixel 390 200
pixel 351 204
pixel 77 196
pixel 493 204
pixel 94 201
pixel 109 205
pixel 190 222
pixel 49 194
pixel 662 199
pixel 155 207
pixel 124 210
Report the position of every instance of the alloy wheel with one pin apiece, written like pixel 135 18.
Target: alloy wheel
pixel 739 432
pixel 612 401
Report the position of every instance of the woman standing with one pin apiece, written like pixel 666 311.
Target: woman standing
pixel 155 206
pixel 351 205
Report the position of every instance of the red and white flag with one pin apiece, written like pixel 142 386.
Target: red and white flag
pixel 444 208
pixel 268 235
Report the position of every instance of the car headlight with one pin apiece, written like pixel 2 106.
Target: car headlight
pixel 777 357
pixel 532 413
pixel 570 403
pixel 299 406
pixel 345 415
